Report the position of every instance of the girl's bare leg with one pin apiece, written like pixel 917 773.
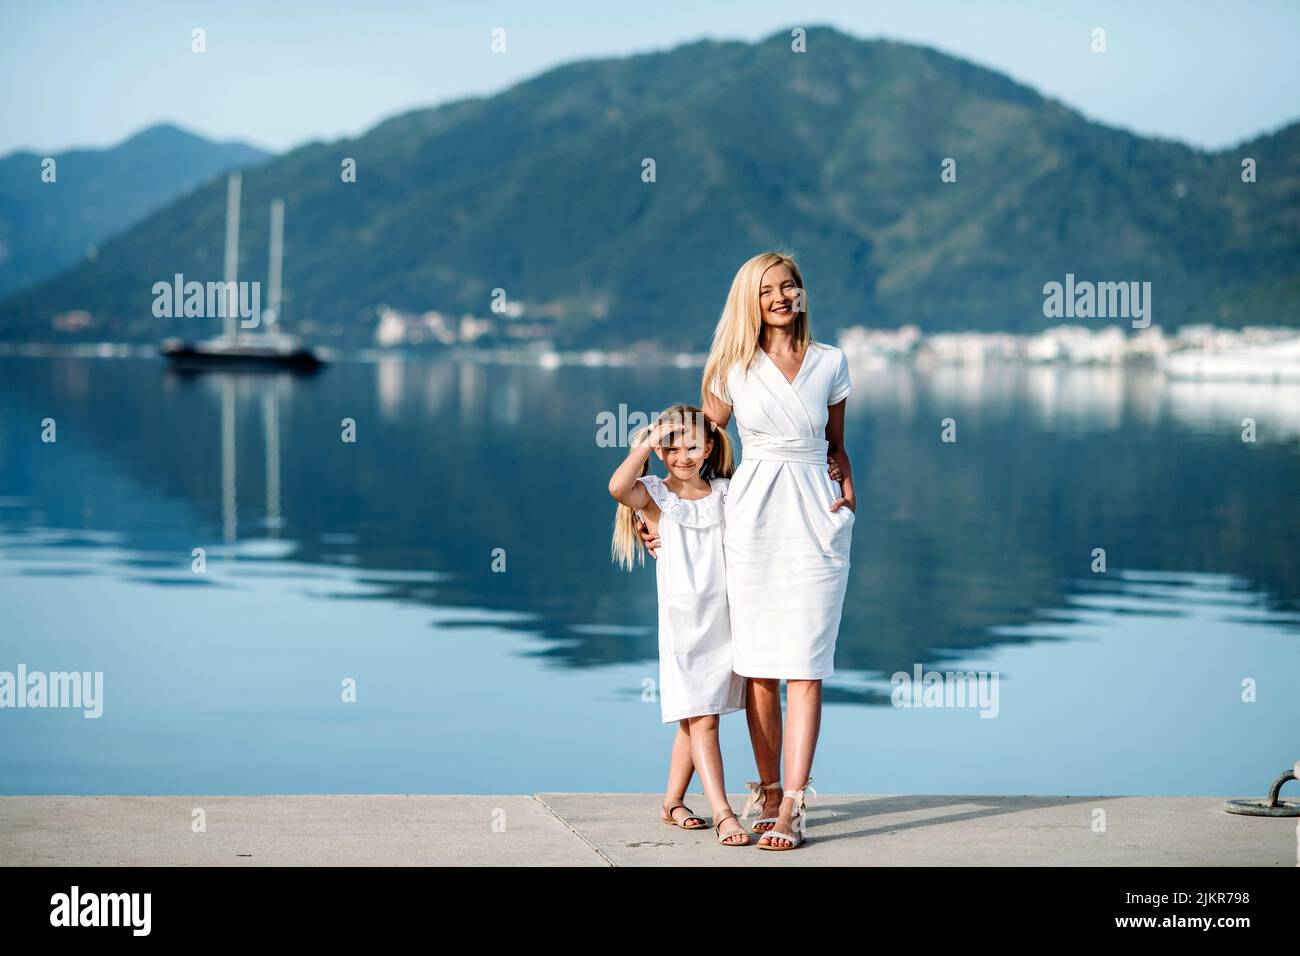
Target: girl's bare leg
pixel 680 770
pixel 707 754
pixel 803 724
pixel 763 712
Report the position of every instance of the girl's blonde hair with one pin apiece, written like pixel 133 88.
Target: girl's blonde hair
pixel 735 340
pixel 627 548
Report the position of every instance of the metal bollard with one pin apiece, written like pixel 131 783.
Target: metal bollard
pixel 1272 806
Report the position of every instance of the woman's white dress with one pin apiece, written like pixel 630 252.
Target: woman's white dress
pixel 787 553
pixel 695 675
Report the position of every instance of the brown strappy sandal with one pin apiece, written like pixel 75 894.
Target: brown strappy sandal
pixel 717 829
pixel 666 814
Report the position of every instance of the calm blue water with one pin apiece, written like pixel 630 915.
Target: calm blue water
pixel 373 562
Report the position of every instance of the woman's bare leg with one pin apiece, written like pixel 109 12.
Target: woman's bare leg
pixel 707 754
pixel 803 724
pixel 763 712
pixel 680 770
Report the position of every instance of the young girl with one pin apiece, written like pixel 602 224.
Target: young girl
pixel 696 682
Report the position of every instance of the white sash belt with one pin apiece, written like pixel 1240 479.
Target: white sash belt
pixel 810 450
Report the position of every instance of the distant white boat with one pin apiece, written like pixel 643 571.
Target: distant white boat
pixel 236 348
pixel 1269 362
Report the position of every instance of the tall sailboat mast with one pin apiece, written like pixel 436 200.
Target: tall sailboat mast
pixel 232 257
pixel 277 255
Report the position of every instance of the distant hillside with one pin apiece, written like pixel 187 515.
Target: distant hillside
pixel 834 154
pixel 46 227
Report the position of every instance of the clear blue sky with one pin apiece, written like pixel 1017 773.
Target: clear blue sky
pixel 91 72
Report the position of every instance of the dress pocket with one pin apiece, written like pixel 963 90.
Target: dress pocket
pixel 833 487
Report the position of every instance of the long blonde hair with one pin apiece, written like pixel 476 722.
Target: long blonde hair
pixel 627 548
pixel 735 340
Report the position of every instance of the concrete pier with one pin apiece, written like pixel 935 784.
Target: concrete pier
pixel 621 829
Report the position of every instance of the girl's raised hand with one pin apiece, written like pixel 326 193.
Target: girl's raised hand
pixel 656 433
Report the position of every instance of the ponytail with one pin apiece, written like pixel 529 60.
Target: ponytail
pixel 627 549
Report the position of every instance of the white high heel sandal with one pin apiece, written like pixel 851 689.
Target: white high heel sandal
pixel 755 802
pixel 800 817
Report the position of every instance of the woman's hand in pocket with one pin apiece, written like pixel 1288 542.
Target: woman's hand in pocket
pixel 649 537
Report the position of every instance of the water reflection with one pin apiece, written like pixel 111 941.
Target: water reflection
pixel 962 551
pixel 1083 398
pixel 952 538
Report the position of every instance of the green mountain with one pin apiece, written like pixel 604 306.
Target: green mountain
pixel 45 227
pixel 834 154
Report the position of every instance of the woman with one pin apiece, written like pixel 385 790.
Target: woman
pixel 788 529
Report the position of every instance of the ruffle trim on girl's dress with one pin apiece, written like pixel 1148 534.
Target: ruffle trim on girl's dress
pixel 699 513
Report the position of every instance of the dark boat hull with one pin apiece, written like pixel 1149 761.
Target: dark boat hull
pixel 196 357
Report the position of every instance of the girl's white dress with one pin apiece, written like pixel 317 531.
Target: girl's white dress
pixel 695 675
pixel 787 553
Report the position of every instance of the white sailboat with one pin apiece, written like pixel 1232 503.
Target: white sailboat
pixel 238 348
